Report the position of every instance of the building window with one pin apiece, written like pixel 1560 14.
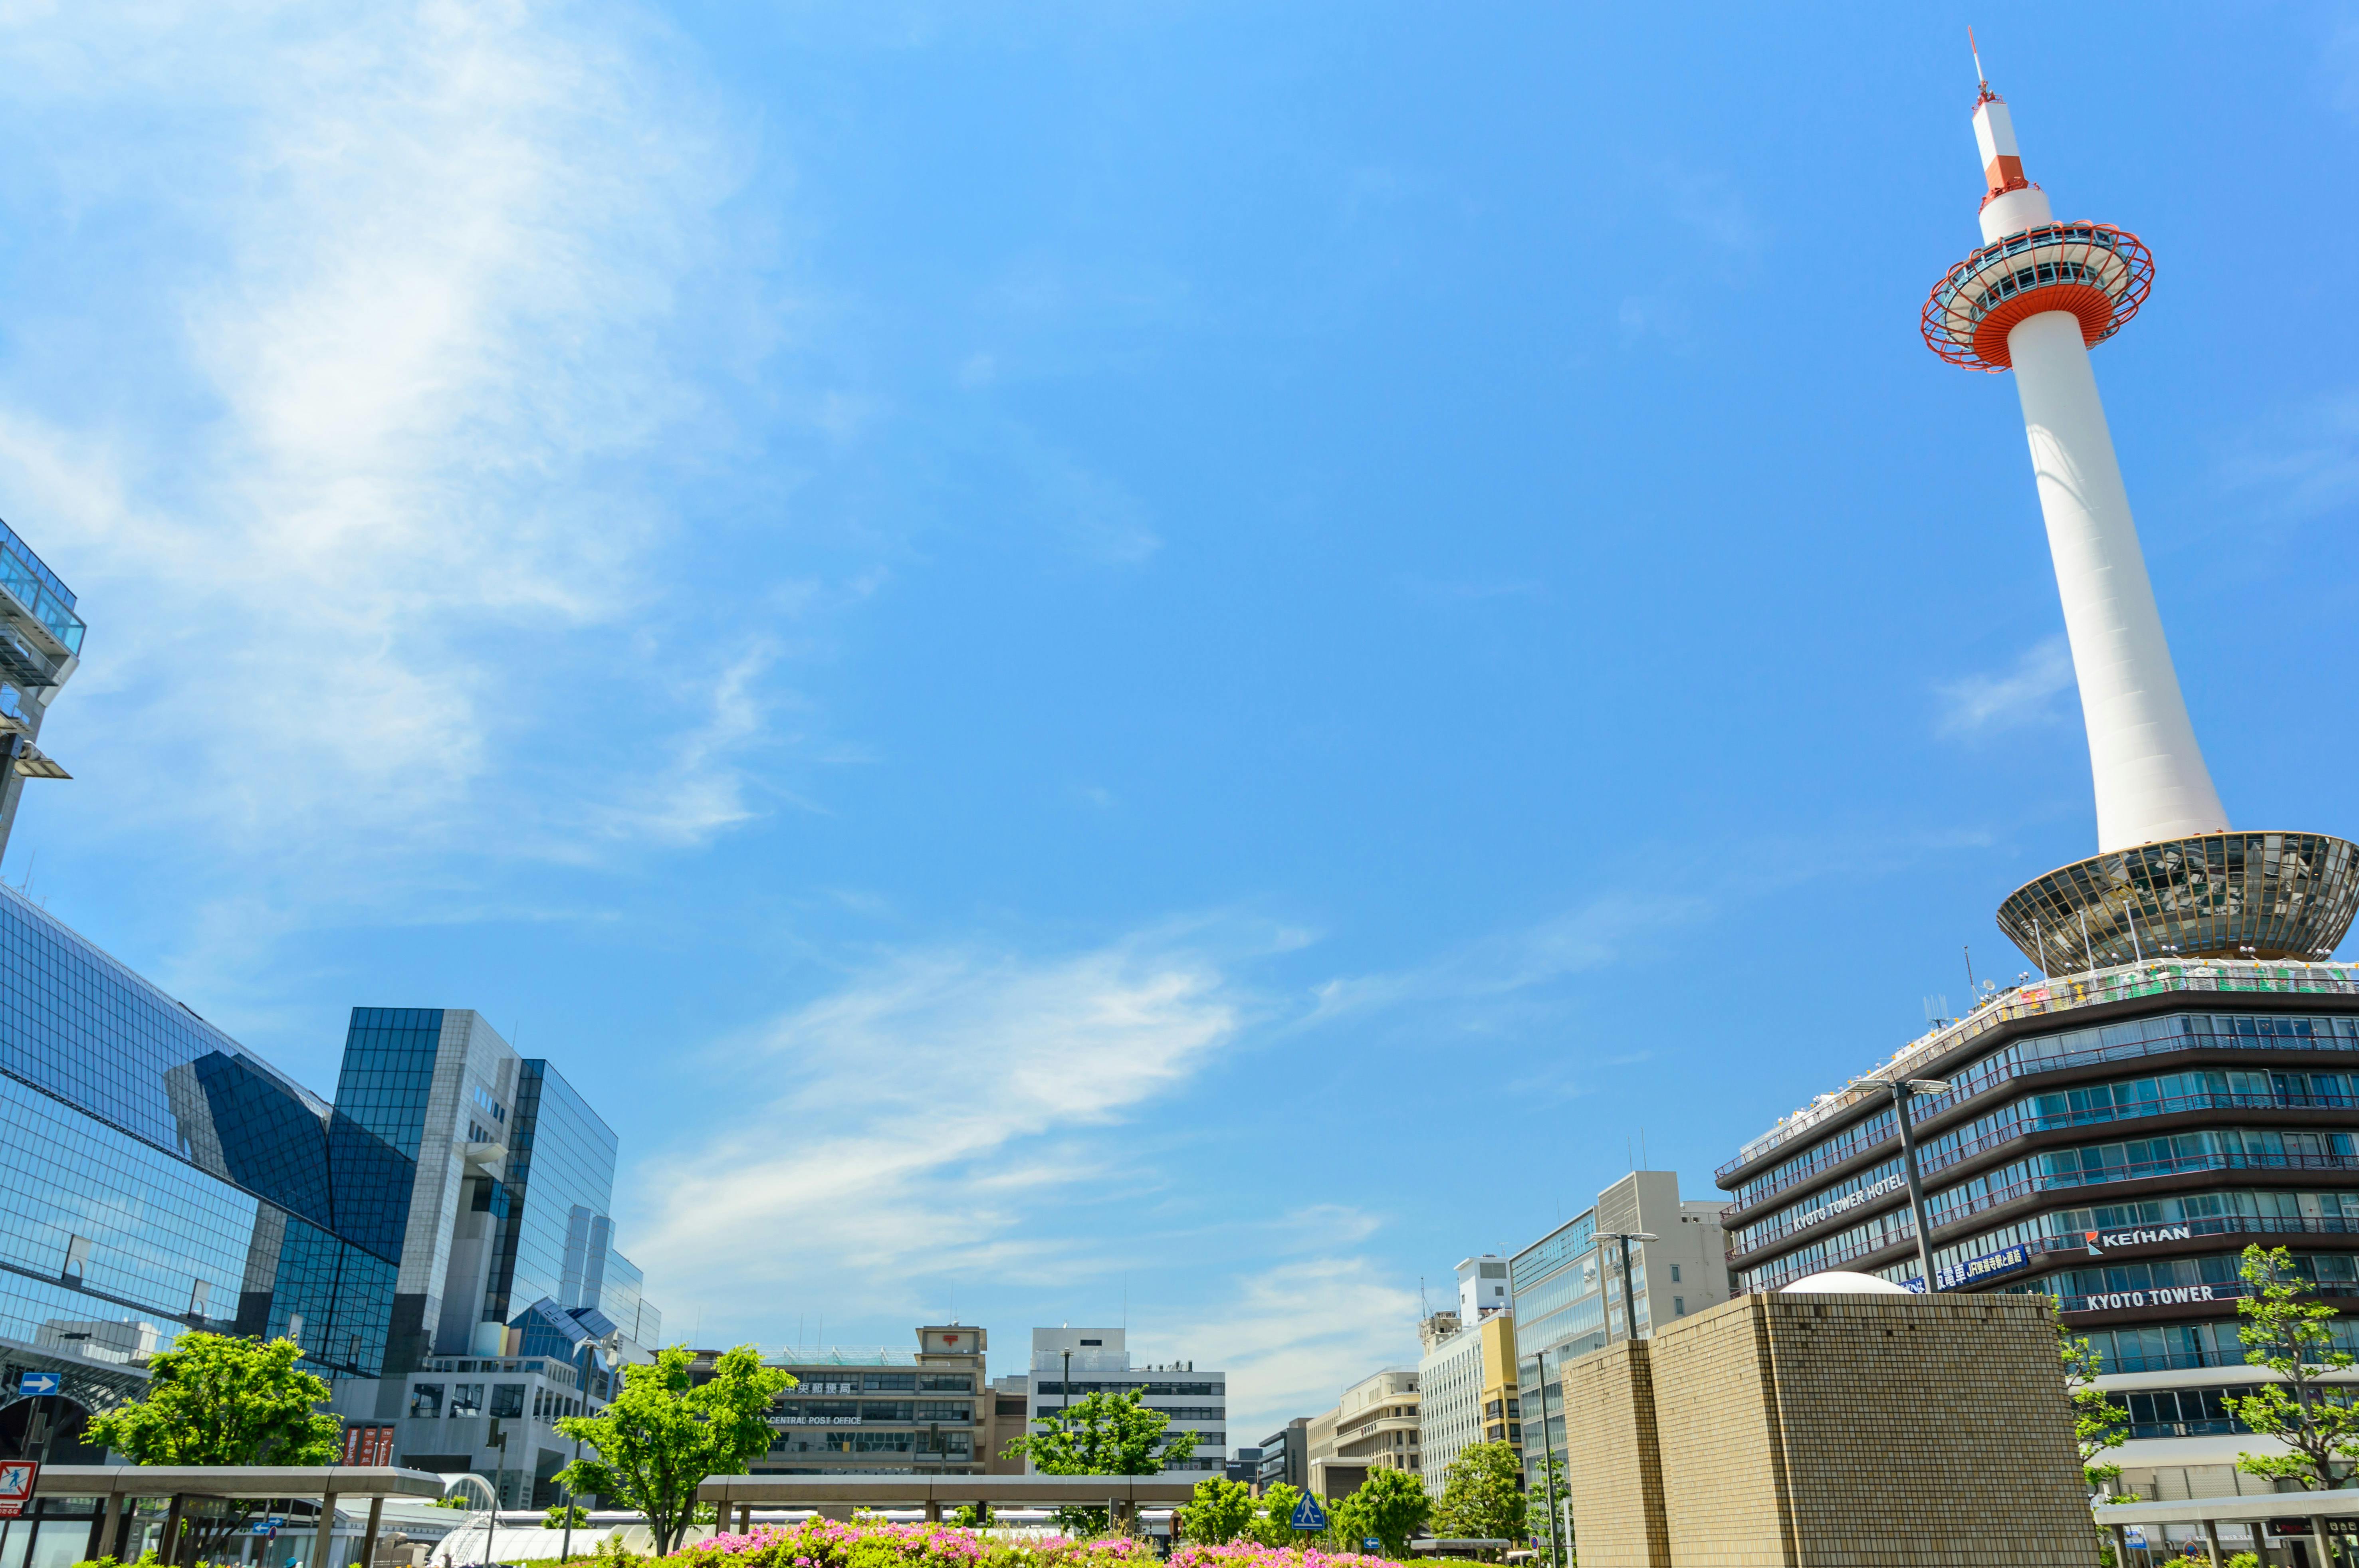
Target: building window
pixel 466 1399
pixel 508 1401
pixel 1675 1273
pixel 425 1401
pixel 1678 1306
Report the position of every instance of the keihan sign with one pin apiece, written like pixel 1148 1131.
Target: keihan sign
pixel 2099 1240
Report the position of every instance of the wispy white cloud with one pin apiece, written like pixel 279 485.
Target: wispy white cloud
pixel 1477 978
pixel 2023 694
pixel 925 1118
pixel 418 291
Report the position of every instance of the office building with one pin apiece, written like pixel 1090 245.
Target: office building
pixel 40 646
pixel 1372 1427
pixel 885 1412
pixel 162 1177
pixel 1071 1363
pixel 513 1307
pixel 1285 1457
pixel 159 1177
pixel 1569 1286
pixel 2180 1078
pixel 1467 1387
pixel 1244 1466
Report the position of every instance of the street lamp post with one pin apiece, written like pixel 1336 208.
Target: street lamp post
pixel 1903 1091
pixel 1629 1297
pixel 566 1553
pixel 1548 1463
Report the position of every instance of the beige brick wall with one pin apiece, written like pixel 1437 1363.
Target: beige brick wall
pixel 1868 1432
pixel 1717 1430
pixel 1612 1481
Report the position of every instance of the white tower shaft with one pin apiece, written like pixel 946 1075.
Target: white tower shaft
pixel 2150 778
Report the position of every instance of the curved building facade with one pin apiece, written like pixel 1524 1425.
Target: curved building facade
pixel 2116 1141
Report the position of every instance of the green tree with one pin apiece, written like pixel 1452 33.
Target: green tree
pixel 1220 1511
pixel 1103 1434
pixel 1480 1495
pixel 1274 1525
pixel 560 1514
pixel 215 1398
pixel 663 1435
pixel 2098 1423
pixel 1390 1505
pixel 1548 1498
pixel 2292 1337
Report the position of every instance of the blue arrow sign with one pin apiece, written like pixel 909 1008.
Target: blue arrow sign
pixel 33 1383
pixel 1308 1515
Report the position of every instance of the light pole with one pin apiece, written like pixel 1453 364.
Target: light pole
pixel 1547 1462
pixel 565 1554
pixel 1904 1091
pixel 1629 1298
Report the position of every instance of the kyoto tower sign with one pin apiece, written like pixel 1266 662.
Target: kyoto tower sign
pixel 2171 879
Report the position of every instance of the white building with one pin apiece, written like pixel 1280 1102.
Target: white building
pixel 1466 1383
pixel 1069 1363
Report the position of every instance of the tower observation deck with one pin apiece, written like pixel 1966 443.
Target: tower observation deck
pixel 2171 878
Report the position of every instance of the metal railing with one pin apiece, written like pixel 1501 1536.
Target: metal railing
pixel 1903 1230
pixel 1934 1157
pixel 2156 977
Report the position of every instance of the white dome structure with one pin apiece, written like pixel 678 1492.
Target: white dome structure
pixel 1843 1282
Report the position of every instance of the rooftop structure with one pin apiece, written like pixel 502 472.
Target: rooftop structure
pixel 2169 878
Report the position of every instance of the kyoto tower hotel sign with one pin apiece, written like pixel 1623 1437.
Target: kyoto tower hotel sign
pixel 2171 879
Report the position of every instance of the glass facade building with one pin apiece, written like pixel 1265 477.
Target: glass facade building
pixel 156 1176
pixel 560 1170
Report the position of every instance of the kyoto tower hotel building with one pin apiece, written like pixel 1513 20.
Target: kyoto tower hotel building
pixel 2181 1078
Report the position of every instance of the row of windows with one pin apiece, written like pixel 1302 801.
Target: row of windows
pixel 2163 1273
pixel 2082 1165
pixel 1152 1391
pixel 2157 1095
pixel 2178 1347
pixel 2071 1047
pixel 836 1380
pixel 430 1402
pixel 2204 1214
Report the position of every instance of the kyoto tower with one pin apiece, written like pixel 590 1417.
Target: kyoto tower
pixel 2171 879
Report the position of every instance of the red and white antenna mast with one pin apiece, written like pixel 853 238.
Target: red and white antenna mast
pixel 2035 298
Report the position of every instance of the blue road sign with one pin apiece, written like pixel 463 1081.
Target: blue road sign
pixel 1308 1515
pixel 1370 1543
pixel 33 1383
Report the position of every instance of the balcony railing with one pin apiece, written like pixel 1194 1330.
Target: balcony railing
pixel 2051 998
pixel 1938 1156
pixel 1769 1277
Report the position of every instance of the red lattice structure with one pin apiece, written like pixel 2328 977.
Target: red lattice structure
pixel 2097 271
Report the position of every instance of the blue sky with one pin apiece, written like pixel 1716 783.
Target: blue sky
pixel 1178 660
